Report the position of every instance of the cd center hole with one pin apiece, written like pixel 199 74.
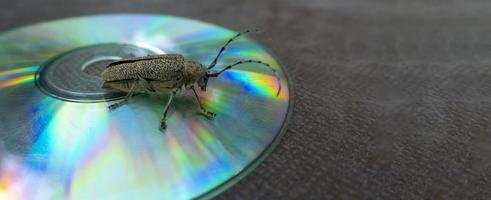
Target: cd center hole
pixel 96 67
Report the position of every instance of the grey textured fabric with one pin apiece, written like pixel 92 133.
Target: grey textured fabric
pixel 393 98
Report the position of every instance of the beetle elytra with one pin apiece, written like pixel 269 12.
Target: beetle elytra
pixel 163 73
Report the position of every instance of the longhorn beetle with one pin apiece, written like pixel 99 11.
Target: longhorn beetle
pixel 167 72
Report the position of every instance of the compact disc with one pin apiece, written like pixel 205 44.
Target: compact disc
pixel 58 139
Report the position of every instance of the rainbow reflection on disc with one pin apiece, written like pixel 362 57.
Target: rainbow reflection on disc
pixel 56 149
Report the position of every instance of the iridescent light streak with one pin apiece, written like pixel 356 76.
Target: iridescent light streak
pixel 257 83
pixel 21 70
pixel 15 76
pixel 8 175
pixel 16 81
pixel 200 158
pixel 106 170
pixel 64 142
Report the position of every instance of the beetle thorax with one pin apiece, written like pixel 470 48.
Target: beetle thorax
pixel 193 72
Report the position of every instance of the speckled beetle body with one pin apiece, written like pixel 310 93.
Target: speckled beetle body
pixel 162 73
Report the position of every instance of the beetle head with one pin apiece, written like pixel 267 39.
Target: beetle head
pixel 196 72
pixel 203 82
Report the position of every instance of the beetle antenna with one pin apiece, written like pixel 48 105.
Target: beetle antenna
pixel 224 47
pixel 216 74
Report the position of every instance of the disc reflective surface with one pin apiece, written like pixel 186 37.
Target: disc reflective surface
pixel 51 148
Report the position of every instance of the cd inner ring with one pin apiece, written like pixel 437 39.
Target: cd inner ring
pixel 75 75
pixel 94 66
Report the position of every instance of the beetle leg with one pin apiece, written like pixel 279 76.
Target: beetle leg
pixel 145 85
pixel 124 100
pixel 163 125
pixel 208 114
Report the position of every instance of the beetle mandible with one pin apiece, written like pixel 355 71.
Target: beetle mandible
pixel 163 73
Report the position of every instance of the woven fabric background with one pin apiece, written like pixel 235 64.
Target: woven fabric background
pixel 392 98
